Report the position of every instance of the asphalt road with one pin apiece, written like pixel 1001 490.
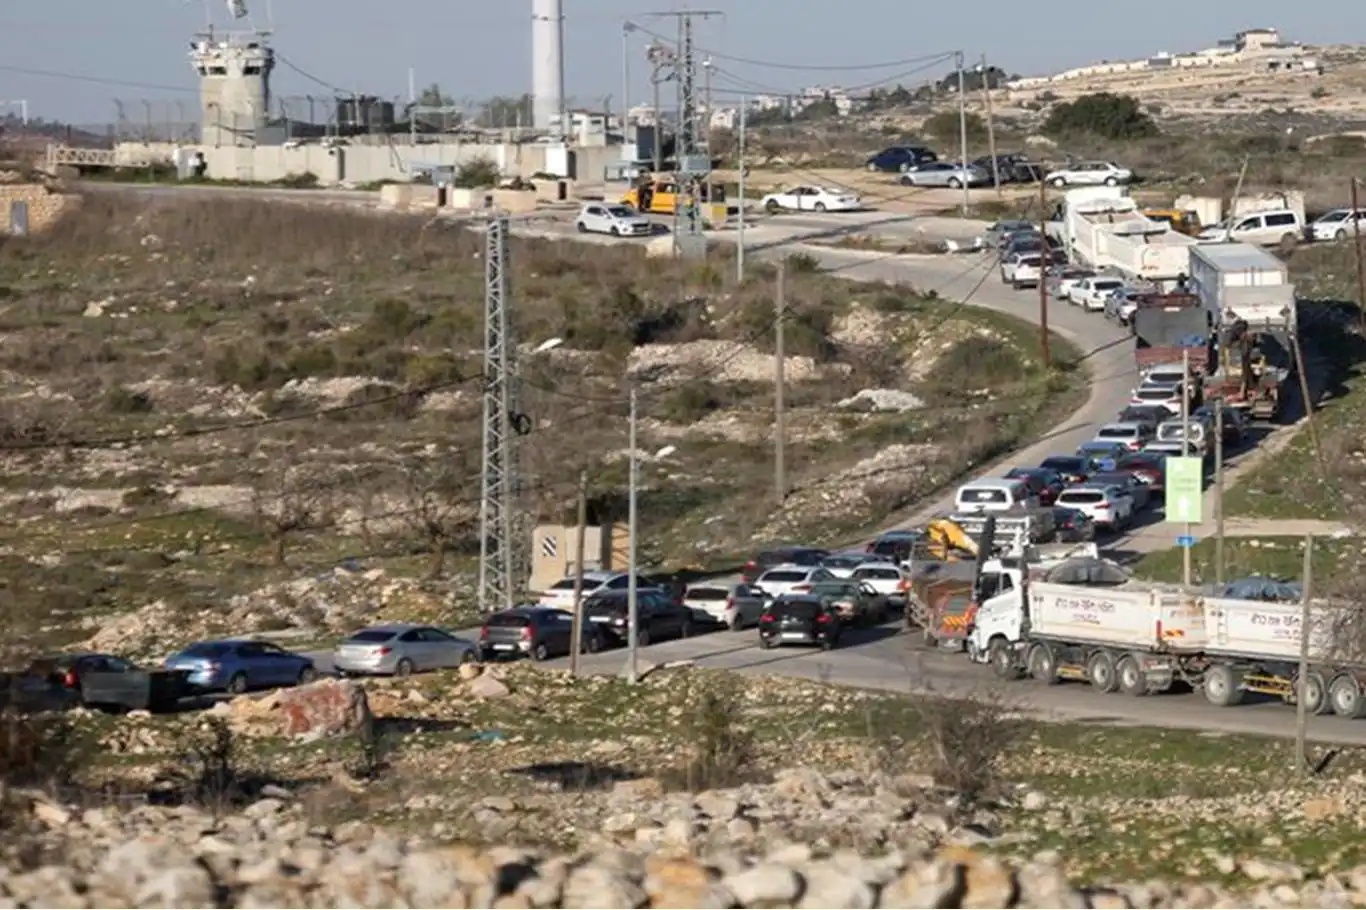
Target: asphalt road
pixel 888 658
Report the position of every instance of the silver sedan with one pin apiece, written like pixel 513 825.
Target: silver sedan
pixel 401 649
pixel 945 173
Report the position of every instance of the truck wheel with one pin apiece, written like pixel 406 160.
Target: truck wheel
pixel 1002 660
pixel 1043 664
pixel 1316 699
pixel 1345 694
pixel 1100 670
pixel 1222 686
pixel 1132 680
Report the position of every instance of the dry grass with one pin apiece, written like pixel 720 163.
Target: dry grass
pixel 340 349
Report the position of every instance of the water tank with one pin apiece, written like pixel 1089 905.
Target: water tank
pixel 364 113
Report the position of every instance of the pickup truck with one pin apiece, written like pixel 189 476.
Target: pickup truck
pixel 1032 524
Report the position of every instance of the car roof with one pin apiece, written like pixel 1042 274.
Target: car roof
pixel 880 565
pixel 1087 488
pixel 790 566
pixel 1126 424
pixel 1063 458
pixel 393 627
pixel 996 483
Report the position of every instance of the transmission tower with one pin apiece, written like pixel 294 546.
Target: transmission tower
pixel 694 161
pixel 496 542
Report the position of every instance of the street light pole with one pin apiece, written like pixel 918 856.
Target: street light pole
pixel 633 617
pixel 740 240
pixel 963 131
pixel 626 29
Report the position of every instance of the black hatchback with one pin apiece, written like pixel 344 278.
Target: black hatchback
pixel 800 621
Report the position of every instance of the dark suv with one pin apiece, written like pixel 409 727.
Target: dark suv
pixel 800 620
pixel 538 632
pixel 658 616
pixel 781 556
pixel 898 159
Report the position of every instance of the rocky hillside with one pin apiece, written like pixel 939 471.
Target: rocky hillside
pixel 270 856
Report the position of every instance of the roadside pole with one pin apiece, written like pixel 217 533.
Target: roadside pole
pixel 1219 491
pixel 1301 712
pixel 1361 262
pixel 1302 373
pixel 576 632
pixel 632 614
pixel 780 387
pixel 1185 444
pixel 1045 259
pixel 740 240
pixel 963 132
pixel 991 126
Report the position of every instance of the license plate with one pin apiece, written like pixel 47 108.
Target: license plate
pixel 793 636
pixel 599 619
pixel 504 647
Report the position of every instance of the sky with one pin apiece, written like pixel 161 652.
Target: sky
pixel 134 50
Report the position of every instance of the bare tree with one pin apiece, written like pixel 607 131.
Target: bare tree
pixel 437 505
pixel 286 500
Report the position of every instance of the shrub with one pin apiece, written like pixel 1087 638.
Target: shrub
pixel 1103 114
pixel 121 400
pixel 945 128
pixel 967 740
pixel 721 751
pixel 477 174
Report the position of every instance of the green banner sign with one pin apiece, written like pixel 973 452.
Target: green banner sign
pixel 1185 489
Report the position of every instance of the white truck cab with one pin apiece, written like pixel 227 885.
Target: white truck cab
pixel 998 494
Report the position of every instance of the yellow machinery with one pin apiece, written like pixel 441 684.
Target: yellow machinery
pixel 664 195
pixel 1186 222
pixel 947 541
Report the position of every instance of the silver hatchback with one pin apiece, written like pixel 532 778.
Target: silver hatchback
pixel 400 649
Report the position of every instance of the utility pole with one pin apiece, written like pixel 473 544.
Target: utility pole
pixel 1219 491
pixel 991 125
pixel 412 112
pixel 1185 445
pixel 740 238
pixel 694 164
pixel 495 512
pixel 963 131
pixel 1361 265
pixel 705 132
pixel 1044 257
pixel 576 628
pixel 780 387
pixel 632 612
pixel 627 29
pixel 661 59
pixel 1303 376
pixel 1301 706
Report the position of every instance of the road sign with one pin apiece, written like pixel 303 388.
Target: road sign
pixel 1185 540
pixel 1185 489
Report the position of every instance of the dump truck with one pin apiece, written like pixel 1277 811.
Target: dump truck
pixel 1115 633
pixel 1183 221
pixel 1254 646
pixel 1167 327
pixel 1247 375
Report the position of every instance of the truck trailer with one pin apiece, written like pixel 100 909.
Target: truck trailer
pixel 1128 637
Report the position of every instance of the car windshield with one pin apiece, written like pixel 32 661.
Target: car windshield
pixel 1157 394
pixel 1334 217
pixel 707 594
pixel 1117 432
pixel 620 211
pixel 880 574
pixel 372 635
pixel 1164 377
pixel 206 649
pixel 1064 464
pixel 834 588
pixel 1107 285
pixel 981 494
pixel 1082 497
pixel 567 584
pixel 801 609
pixel 785 575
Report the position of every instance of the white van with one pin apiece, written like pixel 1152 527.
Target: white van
pixel 996 495
pixel 1262 228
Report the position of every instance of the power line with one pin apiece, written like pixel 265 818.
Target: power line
pixel 803 67
pixel 312 78
pixel 95 80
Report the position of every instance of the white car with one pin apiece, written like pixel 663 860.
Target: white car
pixel 1106 506
pixel 615 219
pixel 1091 293
pixel 1133 435
pixel 734 606
pixel 1024 270
pixel 1268 228
pixel 1090 173
pixel 885 578
pixel 561 593
pixel 1165 374
pixel 810 198
pixel 791 579
pixel 1338 224
pixel 1165 395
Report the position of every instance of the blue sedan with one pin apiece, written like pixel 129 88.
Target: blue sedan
pixel 238 666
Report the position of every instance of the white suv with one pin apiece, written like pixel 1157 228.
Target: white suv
pixel 1106 506
pixel 1023 270
pixel 1091 293
pixel 1090 173
pixel 791 579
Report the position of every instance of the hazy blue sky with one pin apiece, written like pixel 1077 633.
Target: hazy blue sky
pixel 477 49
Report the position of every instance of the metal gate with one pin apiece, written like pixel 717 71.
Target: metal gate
pixel 18 218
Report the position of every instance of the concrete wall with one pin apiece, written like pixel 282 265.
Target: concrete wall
pixel 44 206
pixel 367 163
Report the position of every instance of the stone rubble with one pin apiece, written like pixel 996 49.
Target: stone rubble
pixel 270 855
